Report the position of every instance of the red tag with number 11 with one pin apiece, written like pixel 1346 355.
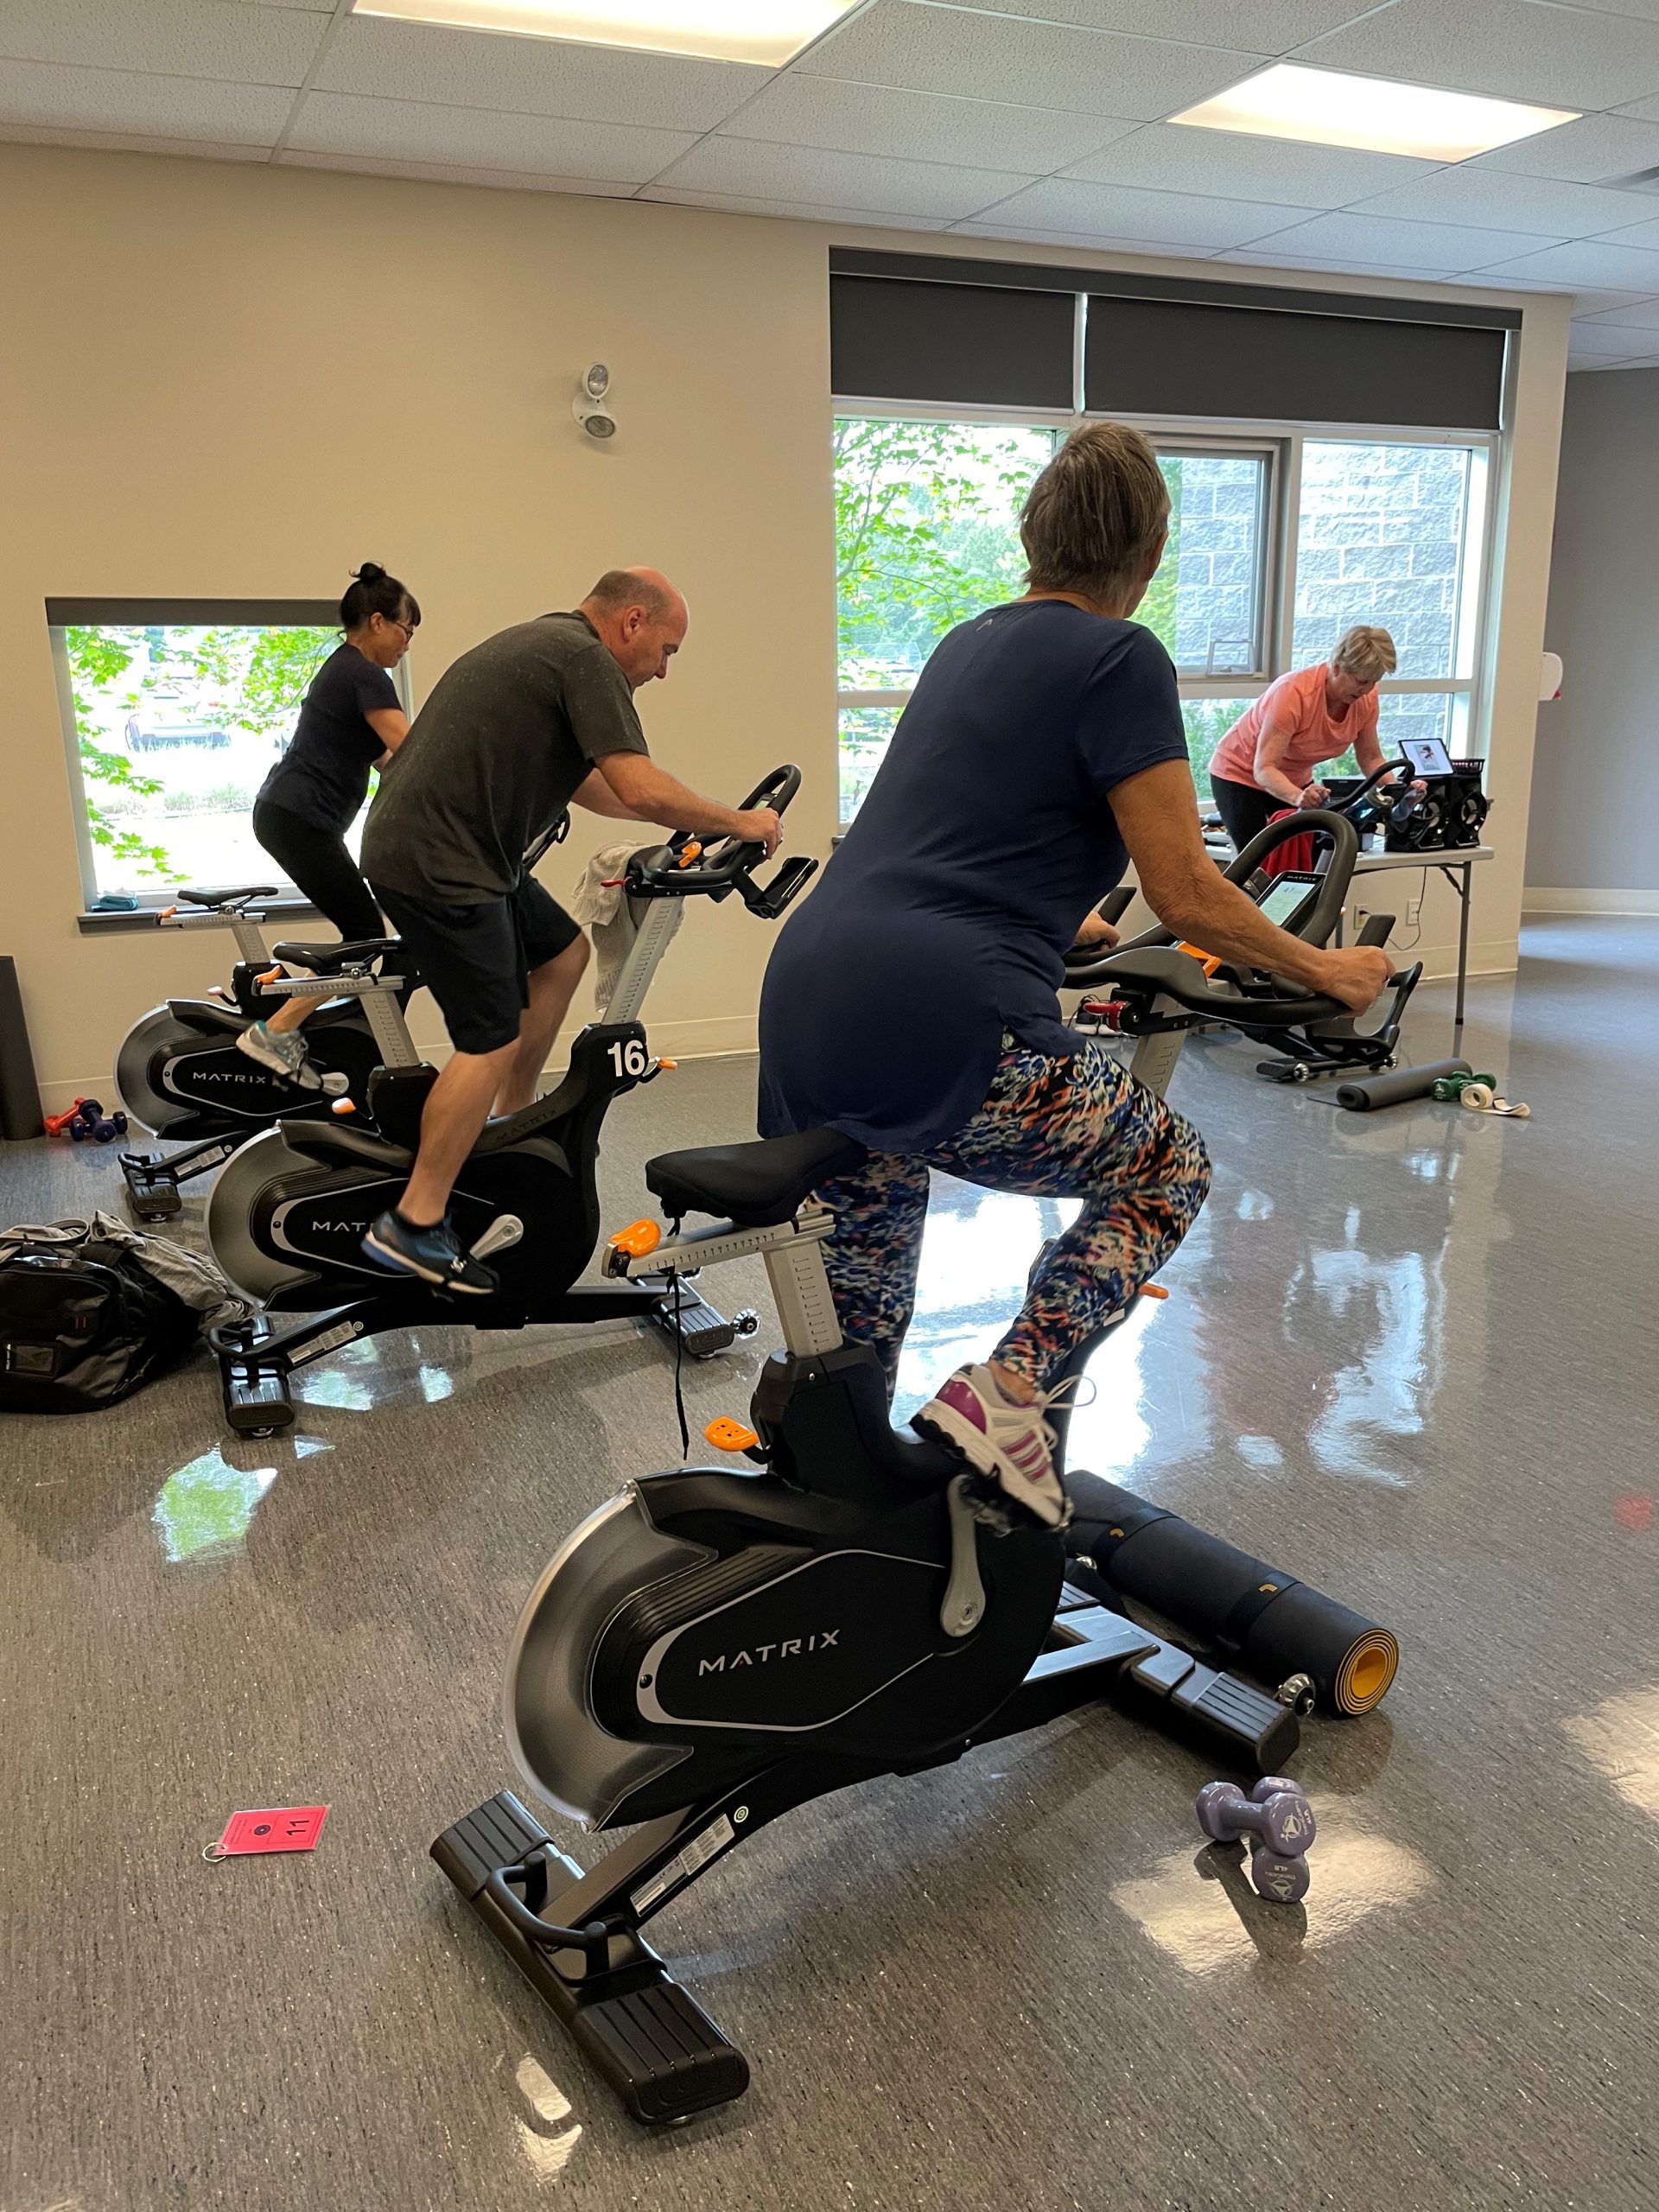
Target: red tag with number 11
pixel 281 1828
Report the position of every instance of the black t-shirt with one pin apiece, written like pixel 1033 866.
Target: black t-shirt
pixel 324 775
pixel 509 731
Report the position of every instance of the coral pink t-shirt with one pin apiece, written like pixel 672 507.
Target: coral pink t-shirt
pixel 1296 701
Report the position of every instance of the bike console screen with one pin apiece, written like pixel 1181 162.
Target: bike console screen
pixel 1286 898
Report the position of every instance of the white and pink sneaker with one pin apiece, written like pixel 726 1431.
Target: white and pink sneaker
pixel 1010 1443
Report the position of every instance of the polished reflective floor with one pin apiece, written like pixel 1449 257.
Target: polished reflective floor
pixel 1413 1356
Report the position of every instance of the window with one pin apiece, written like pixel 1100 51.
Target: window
pixel 171 726
pixel 1277 545
pixel 1208 600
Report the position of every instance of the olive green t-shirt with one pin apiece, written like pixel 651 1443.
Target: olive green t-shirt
pixel 509 731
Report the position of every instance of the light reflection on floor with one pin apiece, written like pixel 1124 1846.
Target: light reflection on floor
pixel 1620 1739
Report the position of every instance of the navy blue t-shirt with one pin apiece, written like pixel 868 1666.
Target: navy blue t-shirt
pixel 324 775
pixel 942 921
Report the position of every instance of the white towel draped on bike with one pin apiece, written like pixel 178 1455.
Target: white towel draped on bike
pixel 612 920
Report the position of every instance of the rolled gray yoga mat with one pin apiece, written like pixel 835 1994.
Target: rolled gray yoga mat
pixel 20 1097
pixel 1396 1087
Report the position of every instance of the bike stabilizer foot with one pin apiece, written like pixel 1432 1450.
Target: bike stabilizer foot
pixel 648 2039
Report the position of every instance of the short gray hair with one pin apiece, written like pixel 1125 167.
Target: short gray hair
pixel 1094 516
pixel 620 587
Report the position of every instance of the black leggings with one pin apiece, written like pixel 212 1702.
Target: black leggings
pixel 321 868
pixel 1244 808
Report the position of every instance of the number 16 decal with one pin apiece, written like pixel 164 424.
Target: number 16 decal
pixel 629 1058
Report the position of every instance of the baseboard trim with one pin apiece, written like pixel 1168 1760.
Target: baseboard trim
pixel 1542 901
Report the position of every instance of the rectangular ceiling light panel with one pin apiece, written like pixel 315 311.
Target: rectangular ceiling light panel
pixel 1330 107
pixel 767 31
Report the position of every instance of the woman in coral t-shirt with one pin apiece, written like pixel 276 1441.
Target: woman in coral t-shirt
pixel 1266 761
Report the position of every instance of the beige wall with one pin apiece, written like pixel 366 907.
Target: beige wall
pixel 232 382
pixel 229 381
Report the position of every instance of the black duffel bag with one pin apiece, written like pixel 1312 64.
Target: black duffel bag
pixel 84 1321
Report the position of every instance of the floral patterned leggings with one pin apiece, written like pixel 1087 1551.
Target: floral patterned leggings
pixel 1058 1129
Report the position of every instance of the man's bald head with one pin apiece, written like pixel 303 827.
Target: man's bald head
pixel 641 619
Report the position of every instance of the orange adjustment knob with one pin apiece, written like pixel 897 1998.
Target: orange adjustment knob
pixel 689 853
pixel 167 914
pixel 1153 1290
pixel 667 1067
pixel 272 975
pixel 637 1239
pixel 342 1106
pixel 728 1435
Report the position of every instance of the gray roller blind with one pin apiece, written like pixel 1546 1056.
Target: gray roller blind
pixel 196 614
pixel 961 344
pixel 1180 357
pixel 944 331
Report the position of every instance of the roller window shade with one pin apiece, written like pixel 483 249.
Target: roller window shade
pixel 955 345
pixel 1168 357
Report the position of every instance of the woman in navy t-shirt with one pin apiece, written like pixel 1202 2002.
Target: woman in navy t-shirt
pixel 912 1002
pixel 351 721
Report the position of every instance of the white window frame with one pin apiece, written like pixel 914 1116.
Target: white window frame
pixel 1286 440
pixel 150 902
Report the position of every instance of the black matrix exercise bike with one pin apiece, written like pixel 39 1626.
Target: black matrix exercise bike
pixel 179 1073
pixel 712 1647
pixel 288 1214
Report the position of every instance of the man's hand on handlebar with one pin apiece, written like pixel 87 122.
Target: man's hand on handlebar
pixel 760 826
pixel 1358 976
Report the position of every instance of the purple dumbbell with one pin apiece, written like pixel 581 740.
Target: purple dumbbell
pixel 1278 1814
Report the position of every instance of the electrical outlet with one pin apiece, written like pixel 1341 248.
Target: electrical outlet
pixel 1413 908
pixel 1361 915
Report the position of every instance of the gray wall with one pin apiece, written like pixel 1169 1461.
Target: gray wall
pixel 1595 773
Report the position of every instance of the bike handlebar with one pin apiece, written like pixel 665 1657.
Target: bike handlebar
pixel 685 865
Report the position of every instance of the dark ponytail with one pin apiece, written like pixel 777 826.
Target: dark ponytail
pixel 374 591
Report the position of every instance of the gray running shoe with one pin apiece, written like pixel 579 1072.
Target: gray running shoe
pixel 280 1051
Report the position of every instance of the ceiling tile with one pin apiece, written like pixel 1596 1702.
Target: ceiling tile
pixel 1266 257
pixel 812 177
pixel 1494 200
pixel 1166 219
pixel 1646 109
pixel 1169 157
pixel 459 173
pixel 1589 151
pixel 402 131
pixel 1590 338
pixel 1644 233
pixel 1258 26
pixel 1571 267
pixel 42 95
pixel 130 142
pixel 1581 364
pixel 1370 240
pixel 933 49
pixel 384 59
pixel 1641 314
pixel 175 38
pixel 1520 49
pixel 733 203
pixel 922 126
pixel 1017 234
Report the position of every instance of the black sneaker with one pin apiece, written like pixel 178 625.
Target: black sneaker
pixel 432 1253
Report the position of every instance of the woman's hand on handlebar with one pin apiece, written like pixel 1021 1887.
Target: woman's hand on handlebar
pixel 1314 794
pixel 1097 935
pixel 760 826
pixel 1358 975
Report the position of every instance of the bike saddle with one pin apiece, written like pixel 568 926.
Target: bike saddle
pixel 222 896
pixel 329 959
pixel 753 1184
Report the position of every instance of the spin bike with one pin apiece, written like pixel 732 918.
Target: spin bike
pixel 179 1073
pixel 288 1214
pixel 713 1647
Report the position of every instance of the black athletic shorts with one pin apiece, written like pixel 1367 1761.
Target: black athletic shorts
pixel 476 961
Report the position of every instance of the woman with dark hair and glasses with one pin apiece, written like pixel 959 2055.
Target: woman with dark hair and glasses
pixel 351 721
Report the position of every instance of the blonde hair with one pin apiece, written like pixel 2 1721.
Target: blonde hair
pixel 1366 652
pixel 1093 518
